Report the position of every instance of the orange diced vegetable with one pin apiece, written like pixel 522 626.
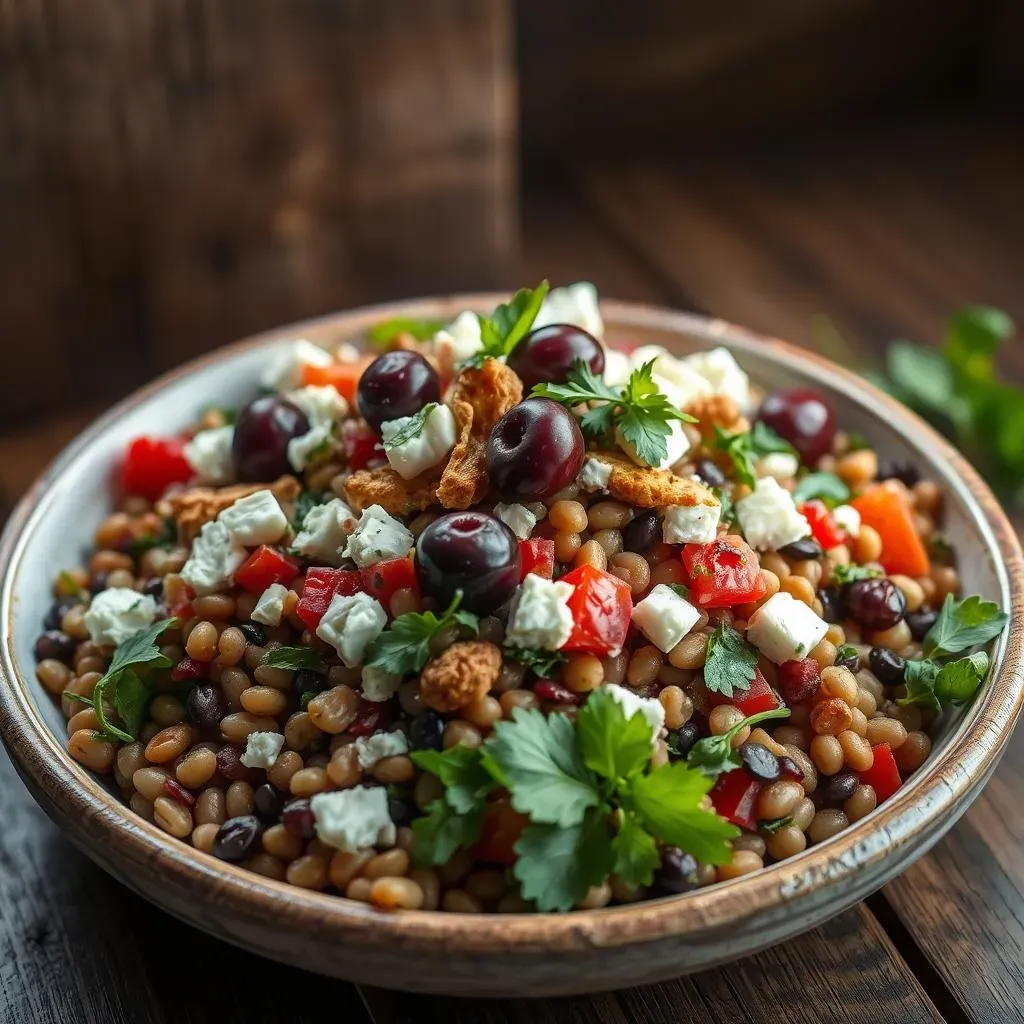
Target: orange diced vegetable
pixel 886 511
pixel 343 377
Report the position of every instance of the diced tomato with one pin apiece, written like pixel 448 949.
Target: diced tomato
pixel 798 680
pixel 537 555
pixel 152 464
pixel 189 668
pixel 723 573
pixel 824 529
pixel 884 509
pixel 760 697
pixel 734 795
pixel 264 566
pixel 361 444
pixel 883 775
pixel 501 831
pixel 343 377
pixel 601 607
pixel 383 579
pixel 318 590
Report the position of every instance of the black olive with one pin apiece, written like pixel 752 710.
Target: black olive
pixel 759 761
pixel 642 533
pixel 55 616
pixel 55 644
pixel 681 742
pixel 426 731
pixel 238 838
pixel 838 788
pixel 887 666
pixel 791 770
pixel 833 603
pixel 679 872
pixel 806 547
pixel 254 634
pixel 905 472
pixel 921 621
pixel 710 473
pixel 267 802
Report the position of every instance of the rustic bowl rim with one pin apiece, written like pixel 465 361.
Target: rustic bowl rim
pixel 968 759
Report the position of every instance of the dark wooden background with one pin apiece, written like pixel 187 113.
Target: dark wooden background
pixel 174 174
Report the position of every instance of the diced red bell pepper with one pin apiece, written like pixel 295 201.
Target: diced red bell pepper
pixel 884 509
pixel 723 573
pixel 734 796
pixel 318 590
pixel 601 607
pixel 343 377
pixel 883 776
pixel 759 697
pixel 383 579
pixel 824 529
pixel 799 679
pixel 362 446
pixel 264 566
pixel 501 831
pixel 537 555
pixel 152 464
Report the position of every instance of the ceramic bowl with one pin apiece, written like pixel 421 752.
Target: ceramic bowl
pixel 515 954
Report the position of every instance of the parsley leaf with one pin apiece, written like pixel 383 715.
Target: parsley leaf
pixel 714 755
pixel 846 652
pixel 543 664
pixel 772 825
pixel 821 484
pixel 131 699
pixel 727 516
pixel 166 538
pixel 636 853
pixel 405 647
pixel 958 681
pixel 409 431
pixel 304 504
pixel 919 679
pixel 963 624
pixel 387 331
pixel 461 769
pixel 295 658
pixel 731 661
pixel 744 448
pixel 851 573
pixel 508 324
pixel 443 831
pixel 612 745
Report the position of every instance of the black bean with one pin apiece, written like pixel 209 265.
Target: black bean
pixel 679 872
pixel 297 817
pixel 55 644
pixel 887 666
pixel 238 838
pixel 229 763
pixel 254 633
pixel 55 616
pixel 681 742
pixel 921 621
pixel 267 802
pixel 806 547
pixel 426 731
pixel 833 606
pixel 155 587
pixel 306 680
pixel 206 706
pixel 642 533
pixel 401 811
pixel 790 769
pixel 759 761
pixel 876 603
pixel 905 472
pixel 710 473
pixel 836 789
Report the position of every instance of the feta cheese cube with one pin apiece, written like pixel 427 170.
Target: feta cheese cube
pixel 255 519
pixel 378 685
pixel 594 475
pixel 780 465
pixel 351 624
pixel 353 819
pixel 209 455
pixel 785 629
pixel 680 383
pixel 677 442
pixel 518 518
pixel 457 342
pixel 320 404
pixel 540 615
pixel 377 537
pixel 691 524
pixel 411 452
pixel 371 749
pixel 650 707
pixel 284 371
pixel 325 532
pixel 617 367
pixel 847 518
pixel 311 446
pixel 768 517
pixel 574 304
pixel 213 560
pixel 117 614
pixel 270 606
pixel 720 369
pixel 664 617
pixel 262 749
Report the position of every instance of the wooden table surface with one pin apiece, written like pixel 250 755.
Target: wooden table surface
pixel 884 232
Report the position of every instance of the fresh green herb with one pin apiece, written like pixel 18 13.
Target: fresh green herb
pixel 387 331
pixel 846 652
pixel 826 486
pixel 773 825
pixel 727 517
pixel 125 686
pixel 919 679
pixel 744 448
pixel 411 430
pixel 304 504
pixel 641 412
pixel 962 624
pixel 167 537
pixel 405 647
pixel 543 664
pixel 731 662
pixel 852 573
pixel 714 755
pixel 679 588
pixel 294 659
pixel 68 586
pixel 304 698
pixel 509 324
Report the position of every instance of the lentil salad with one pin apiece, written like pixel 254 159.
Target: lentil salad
pixel 630 655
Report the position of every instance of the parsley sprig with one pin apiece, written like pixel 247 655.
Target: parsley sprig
pixel 852 573
pixel 508 324
pixel 821 484
pixel 639 409
pixel 295 658
pixel 714 755
pixel 744 448
pixel 405 647
pixel 731 661
pixel 542 663
pixel 387 331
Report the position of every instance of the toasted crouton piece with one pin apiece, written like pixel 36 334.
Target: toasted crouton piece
pixel 651 488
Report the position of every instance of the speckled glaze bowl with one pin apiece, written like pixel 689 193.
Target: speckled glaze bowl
pixel 511 955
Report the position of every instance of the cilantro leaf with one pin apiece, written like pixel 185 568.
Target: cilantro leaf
pixel 714 755
pixel 387 331
pixel 963 624
pixel 405 647
pixel 409 431
pixel 141 649
pixel 821 484
pixel 851 573
pixel 131 700
pixel 958 681
pixel 744 448
pixel 442 831
pixel 668 803
pixel 543 664
pixel 612 745
pixel 295 658
pixel 539 760
pixel 636 853
pixel 731 662
pixel 919 679
pixel 509 324
pixel 461 769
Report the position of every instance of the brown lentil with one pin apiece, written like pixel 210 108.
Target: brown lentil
pixel 458 731
pixel 678 706
pixel 345 866
pixel 743 863
pixel 396 770
pixel 308 782
pixel 691 652
pixel 827 823
pixel 308 873
pixel 608 515
pixel 841 683
pixel 779 799
pixel 141 806
pixel 591 553
pixel 359 889
pixel 913 752
pixel 788 841
pixel 861 802
pixel 172 817
pixel 97 755
pixel 263 701
pixel 279 678
pixel 867 545
pixel 203 837
pixel 239 725
pixel 568 516
pixel 390 864
pixel 210 807
pixel 827 753
pixel 644 664
pixel 614 666
pixel 886 730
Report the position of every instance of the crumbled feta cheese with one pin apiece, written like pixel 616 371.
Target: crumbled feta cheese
pixel 353 819
pixel 419 452
pixel 377 537
pixel 690 524
pixel 720 369
pixel 518 518
pixel 116 614
pixel 213 560
pixel 574 304
pixel 680 383
pixel 351 624
pixel 270 606
pixel 209 455
pixel 325 532
pixel 371 749
pixel 650 707
pixel 677 442
pixel 594 475
pixel 847 518
pixel 320 404
pixel 785 629
pixel 284 371
pixel 307 447
pixel 664 617
pixel 255 519
pixel 379 685
pixel 768 517
pixel 780 465
pixel 457 342
pixel 540 615
pixel 346 352
pixel 261 749
pixel 617 367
